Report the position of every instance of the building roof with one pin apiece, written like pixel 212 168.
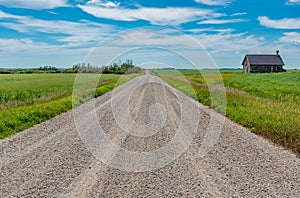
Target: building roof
pixel 260 59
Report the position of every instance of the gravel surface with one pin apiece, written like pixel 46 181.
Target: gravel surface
pixel 143 140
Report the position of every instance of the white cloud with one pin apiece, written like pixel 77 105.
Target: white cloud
pixel 34 4
pixel 221 42
pixel 230 42
pixel 147 44
pixel 239 14
pixel 66 42
pixel 226 47
pixel 27 53
pixel 286 23
pixel 221 21
pixel 24 45
pixel 156 16
pixel 4 15
pixel 291 38
pixel 71 33
pixel 199 30
pixel 102 3
pixel 292 2
pixel 212 2
pixel 27 47
pixel 232 47
pixel 152 37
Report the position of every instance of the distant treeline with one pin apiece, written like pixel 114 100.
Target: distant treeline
pixel 127 67
pixel 45 69
pixel 116 68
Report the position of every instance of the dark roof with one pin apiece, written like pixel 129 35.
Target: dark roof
pixel 261 59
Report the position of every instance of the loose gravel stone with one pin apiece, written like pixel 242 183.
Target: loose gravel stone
pixel 52 159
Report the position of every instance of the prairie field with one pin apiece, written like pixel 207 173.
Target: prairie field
pixel 29 99
pixel 268 104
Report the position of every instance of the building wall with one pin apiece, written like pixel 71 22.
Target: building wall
pixel 261 69
pixel 247 67
pixel 266 69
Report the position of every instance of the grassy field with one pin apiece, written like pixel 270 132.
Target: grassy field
pixel 28 99
pixel 268 104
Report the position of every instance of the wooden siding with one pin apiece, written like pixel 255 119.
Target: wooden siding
pixel 261 69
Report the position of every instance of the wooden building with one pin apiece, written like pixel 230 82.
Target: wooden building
pixel 261 63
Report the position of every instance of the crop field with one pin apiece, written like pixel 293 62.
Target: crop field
pixel 28 99
pixel 268 104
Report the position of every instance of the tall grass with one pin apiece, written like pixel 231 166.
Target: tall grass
pixel 27 89
pixel 34 98
pixel 280 86
pixel 268 104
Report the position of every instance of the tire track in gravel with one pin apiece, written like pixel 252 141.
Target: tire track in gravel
pixel 51 159
pixel 84 182
pixel 26 147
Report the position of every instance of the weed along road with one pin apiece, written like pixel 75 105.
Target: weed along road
pixel 144 139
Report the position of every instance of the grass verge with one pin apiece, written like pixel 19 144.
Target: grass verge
pixel 15 119
pixel 267 104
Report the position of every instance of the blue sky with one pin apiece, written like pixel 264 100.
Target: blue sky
pixel 153 33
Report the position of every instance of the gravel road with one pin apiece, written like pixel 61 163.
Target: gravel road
pixel 144 140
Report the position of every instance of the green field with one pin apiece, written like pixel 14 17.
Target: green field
pixel 268 104
pixel 28 99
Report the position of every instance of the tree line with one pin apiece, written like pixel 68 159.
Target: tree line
pixel 127 67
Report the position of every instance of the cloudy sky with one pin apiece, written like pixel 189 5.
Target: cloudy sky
pixel 61 33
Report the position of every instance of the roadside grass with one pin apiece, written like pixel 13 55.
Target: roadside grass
pixel 280 87
pixel 17 119
pixel 267 104
pixel 27 89
pixel 34 98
